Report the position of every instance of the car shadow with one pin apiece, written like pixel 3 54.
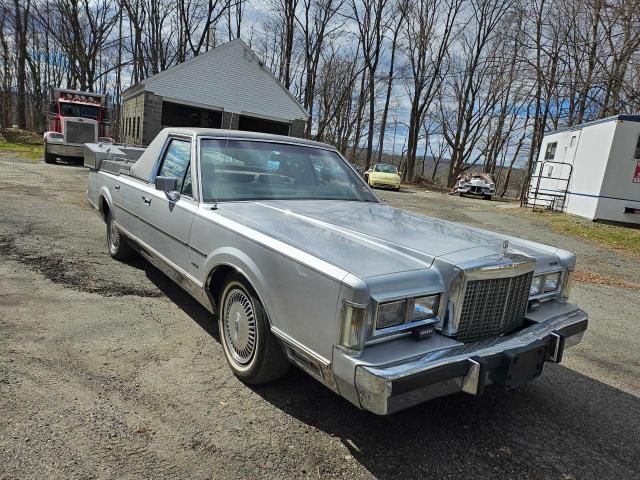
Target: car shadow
pixel 184 301
pixel 562 425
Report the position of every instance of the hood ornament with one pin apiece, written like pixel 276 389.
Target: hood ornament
pixel 505 247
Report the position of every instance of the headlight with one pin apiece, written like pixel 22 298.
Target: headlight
pixel 425 307
pixel 551 282
pixel 392 313
pixel 546 283
pixel 55 137
pixel 536 285
pixel 354 327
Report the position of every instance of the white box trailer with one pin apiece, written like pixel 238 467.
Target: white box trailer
pixel 591 170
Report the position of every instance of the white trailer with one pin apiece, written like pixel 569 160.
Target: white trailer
pixel 591 170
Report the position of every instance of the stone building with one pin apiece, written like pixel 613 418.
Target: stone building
pixel 226 87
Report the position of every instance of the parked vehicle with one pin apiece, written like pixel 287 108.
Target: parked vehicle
pixel 387 308
pixel 591 170
pixel 75 118
pixel 475 183
pixel 383 175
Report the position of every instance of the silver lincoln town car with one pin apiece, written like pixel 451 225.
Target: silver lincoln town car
pixel 302 263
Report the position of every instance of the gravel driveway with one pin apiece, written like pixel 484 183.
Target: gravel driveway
pixel 108 370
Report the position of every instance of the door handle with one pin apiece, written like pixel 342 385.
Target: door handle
pixel 146 200
pixel 117 187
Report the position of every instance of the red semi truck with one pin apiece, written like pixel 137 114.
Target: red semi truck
pixel 75 118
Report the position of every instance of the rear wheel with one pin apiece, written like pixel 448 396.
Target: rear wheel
pixel 117 244
pixel 253 353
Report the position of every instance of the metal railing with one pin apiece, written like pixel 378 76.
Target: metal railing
pixel 555 200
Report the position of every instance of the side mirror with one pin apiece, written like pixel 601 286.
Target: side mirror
pixel 400 173
pixel 169 186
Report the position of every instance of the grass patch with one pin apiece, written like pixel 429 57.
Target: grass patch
pixel 28 151
pixel 608 236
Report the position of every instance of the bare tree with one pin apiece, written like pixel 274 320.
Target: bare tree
pixel 398 14
pixel 430 27
pixel 371 19
pixel 21 21
pixel 315 25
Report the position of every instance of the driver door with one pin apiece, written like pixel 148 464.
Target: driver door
pixel 165 225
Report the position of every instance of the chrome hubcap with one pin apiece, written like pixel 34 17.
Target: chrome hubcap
pixel 114 236
pixel 239 326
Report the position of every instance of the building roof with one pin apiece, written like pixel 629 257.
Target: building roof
pixel 230 78
pixel 621 117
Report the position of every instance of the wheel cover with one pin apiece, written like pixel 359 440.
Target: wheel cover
pixel 239 326
pixel 114 236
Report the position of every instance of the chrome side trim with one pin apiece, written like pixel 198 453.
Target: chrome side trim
pixel 308 360
pixel 285 337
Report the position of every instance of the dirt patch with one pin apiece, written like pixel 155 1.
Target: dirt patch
pixel 608 280
pixel 72 272
pixel 17 135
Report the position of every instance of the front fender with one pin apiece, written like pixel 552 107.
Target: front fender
pixel 233 257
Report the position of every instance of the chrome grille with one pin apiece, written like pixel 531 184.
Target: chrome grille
pixel 79 132
pixel 493 306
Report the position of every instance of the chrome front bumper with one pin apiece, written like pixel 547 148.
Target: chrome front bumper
pixel 62 150
pixel 469 367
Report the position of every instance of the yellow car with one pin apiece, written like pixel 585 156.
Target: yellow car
pixel 383 175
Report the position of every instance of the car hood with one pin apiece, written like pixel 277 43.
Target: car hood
pixel 370 239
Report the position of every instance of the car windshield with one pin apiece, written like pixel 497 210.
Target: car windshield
pixel 384 168
pixel 251 170
pixel 76 110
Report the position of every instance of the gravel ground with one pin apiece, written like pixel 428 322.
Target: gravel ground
pixel 107 370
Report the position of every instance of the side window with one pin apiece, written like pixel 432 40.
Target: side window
pixel 550 154
pixel 176 164
pixel 637 152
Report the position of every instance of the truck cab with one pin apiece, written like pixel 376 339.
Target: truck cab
pixel 75 118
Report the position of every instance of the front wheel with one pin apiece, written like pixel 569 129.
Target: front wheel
pixel 49 157
pixel 253 353
pixel 116 242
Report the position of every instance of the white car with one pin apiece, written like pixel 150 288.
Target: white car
pixel 475 183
